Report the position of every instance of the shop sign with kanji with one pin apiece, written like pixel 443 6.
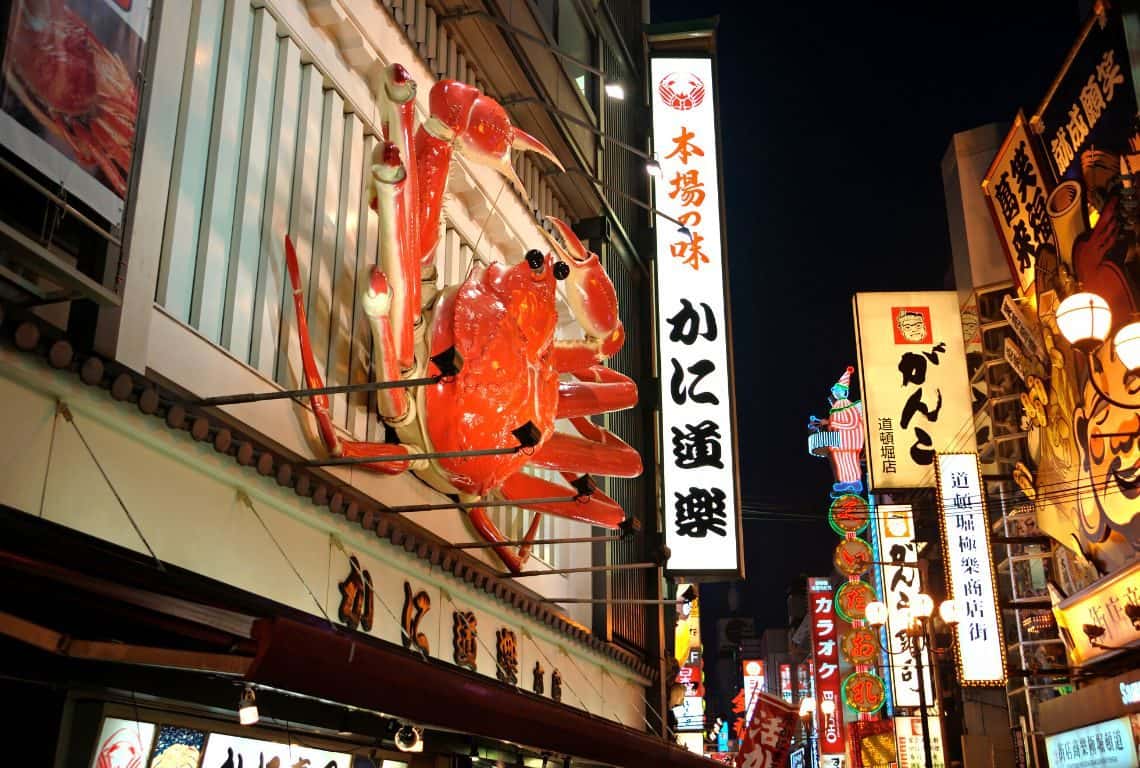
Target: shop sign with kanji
pixel 902 580
pixel 700 496
pixel 1091 107
pixel 768 736
pixel 825 654
pixel 968 560
pixel 1109 744
pixel 1017 188
pixel 916 395
pixel 1110 604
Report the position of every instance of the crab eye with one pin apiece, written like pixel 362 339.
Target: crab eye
pixel 535 259
pixel 561 270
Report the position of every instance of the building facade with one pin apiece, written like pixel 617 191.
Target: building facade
pixel 171 556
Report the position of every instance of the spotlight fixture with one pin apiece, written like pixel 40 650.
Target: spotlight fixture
pixel 584 485
pixel 653 166
pixel 247 707
pixel 615 91
pixel 409 738
pixel 449 362
pixel 528 435
pixel 683 230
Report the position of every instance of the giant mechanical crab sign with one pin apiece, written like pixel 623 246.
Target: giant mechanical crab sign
pixel 500 322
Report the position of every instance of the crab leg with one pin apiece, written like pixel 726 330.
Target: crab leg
pixel 320 403
pixel 394 404
pixel 599 509
pixel 399 125
pixel 597 390
pixel 389 178
pixel 514 560
pixel 598 451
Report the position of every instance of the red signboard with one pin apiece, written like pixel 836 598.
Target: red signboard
pixel 825 652
pixel 769 734
pixel 786 692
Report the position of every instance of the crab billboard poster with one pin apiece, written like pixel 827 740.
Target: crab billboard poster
pixel 69 98
pixel 916 394
pixel 701 501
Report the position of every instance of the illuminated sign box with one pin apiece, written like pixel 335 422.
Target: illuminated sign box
pixel 698 420
pixel 1102 745
pixel 968 560
pixel 916 395
pixel 1111 606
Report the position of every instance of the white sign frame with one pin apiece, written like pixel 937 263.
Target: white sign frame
pixel 979 645
pixel 700 496
pixel 883 336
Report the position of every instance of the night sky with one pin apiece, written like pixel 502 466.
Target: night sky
pixel 834 121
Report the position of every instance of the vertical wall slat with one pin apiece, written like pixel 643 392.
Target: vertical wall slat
pixel 184 206
pixel 302 215
pixel 345 272
pixel 241 282
pixel 212 262
pixel 452 53
pixel 366 234
pixel 431 53
pixel 323 257
pixel 271 280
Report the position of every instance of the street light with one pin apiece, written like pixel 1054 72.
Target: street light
pixel 1085 319
pixel 807 714
pixel 915 617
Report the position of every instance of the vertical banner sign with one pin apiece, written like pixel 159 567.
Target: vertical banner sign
pixel 755 683
pixel 1017 196
pixel 769 734
pixel 69 97
pixel 786 692
pixel 825 653
pixel 969 570
pixel 916 396
pixel 901 581
pixel 701 501
pixel 1088 115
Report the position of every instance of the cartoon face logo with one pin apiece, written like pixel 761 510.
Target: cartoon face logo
pixel 1108 440
pixel 681 90
pixel 912 325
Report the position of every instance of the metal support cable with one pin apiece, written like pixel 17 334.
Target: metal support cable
pixel 244 499
pixel 64 411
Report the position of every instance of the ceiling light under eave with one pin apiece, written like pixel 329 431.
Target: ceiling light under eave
pixel 615 91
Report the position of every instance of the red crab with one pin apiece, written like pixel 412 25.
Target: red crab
pixel 501 321
pixel 73 86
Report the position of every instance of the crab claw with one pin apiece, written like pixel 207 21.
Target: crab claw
pixel 480 128
pixel 589 292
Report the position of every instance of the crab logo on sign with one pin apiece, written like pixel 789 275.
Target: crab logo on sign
pixel 681 91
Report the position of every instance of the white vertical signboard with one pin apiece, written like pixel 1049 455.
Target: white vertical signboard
pixel 969 570
pixel 902 580
pixel 697 413
pixel 916 395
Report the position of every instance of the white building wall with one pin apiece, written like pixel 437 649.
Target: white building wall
pixel 188 502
